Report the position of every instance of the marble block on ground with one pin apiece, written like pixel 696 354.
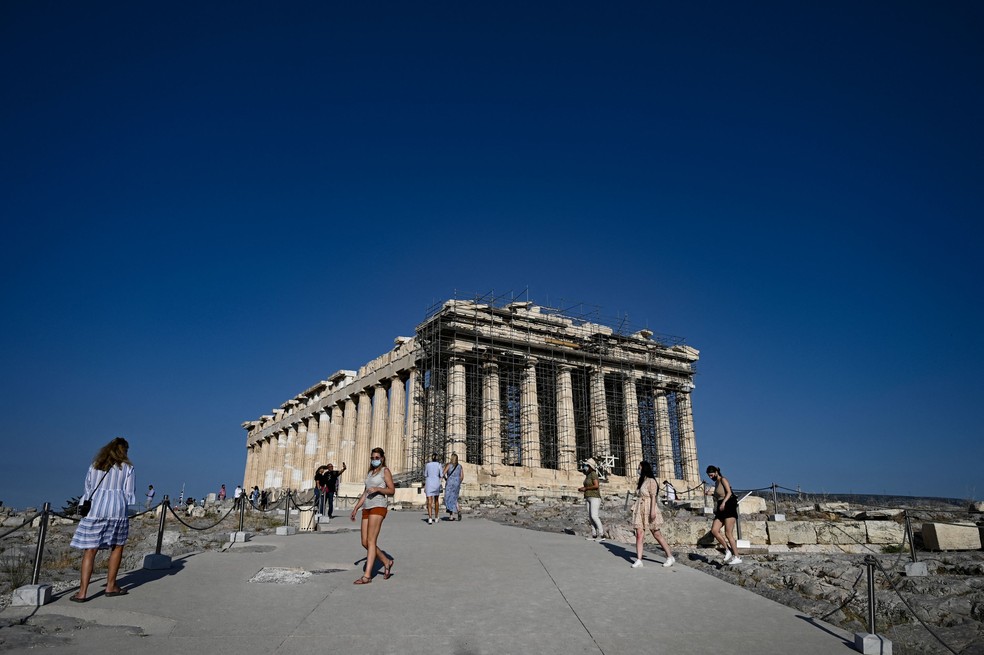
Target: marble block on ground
pixel 31 595
pixel 947 536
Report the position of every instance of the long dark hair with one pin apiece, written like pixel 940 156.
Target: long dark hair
pixel 645 471
pixel 112 454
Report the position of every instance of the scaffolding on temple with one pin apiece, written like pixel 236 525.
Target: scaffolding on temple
pixel 499 378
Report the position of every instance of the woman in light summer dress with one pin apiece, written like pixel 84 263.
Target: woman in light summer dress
pixel 646 514
pixel 109 485
pixel 374 501
pixel 453 476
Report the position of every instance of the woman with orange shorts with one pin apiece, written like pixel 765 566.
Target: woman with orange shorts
pixel 374 501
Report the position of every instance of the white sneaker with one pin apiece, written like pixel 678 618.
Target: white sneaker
pixel 669 562
pixel 727 556
pixel 637 564
pixel 429 520
pixel 734 560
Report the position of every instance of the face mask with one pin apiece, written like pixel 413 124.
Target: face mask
pixel 375 463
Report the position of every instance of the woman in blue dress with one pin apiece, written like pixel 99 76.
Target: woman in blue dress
pixel 453 476
pixel 109 485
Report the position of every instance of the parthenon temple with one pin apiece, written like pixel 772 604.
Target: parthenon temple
pixel 520 392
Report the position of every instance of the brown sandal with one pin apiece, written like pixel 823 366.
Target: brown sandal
pixel 388 570
pixel 363 580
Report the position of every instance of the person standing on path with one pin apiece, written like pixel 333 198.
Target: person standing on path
pixel 329 486
pixel 432 488
pixel 725 514
pixel 222 493
pixel 646 514
pixel 592 499
pixel 150 496
pixel 374 502
pixel 237 496
pixel 454 476
pixel 109 484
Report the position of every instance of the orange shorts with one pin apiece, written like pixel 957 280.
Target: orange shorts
pixel 378 511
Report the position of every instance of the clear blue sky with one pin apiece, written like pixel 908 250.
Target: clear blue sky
pixel 208 208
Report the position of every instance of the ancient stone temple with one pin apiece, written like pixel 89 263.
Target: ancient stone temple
pixel 522 393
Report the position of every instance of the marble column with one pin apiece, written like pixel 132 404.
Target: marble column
pixel 380 417
pixel 310 453
pixel 363 428
pixel 664 443
pixel 250 465
pixel 415 419
pixel 266 477
pixel 633 433
pixel 491 416
pixel 529 416
pixel 348 441
pixel 324 446
pixel 456 425
pixel 688 445
pixel 566 436
pixel 599 415
pixel 299 442
pixel 395 442
pixel 279 461
pixel 334 453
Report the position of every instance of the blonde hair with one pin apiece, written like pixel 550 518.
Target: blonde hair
pixel 112 454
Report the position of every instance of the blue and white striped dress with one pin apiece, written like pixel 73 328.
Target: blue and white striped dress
pixel 107 524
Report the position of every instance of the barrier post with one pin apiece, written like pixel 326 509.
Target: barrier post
pixel 156 561
pixel 241 534
pixel 870 643
pixel 42 534
pixel 287 528
pixel 913 569
pixel 34 594
pixel 242 515
pixel 775 501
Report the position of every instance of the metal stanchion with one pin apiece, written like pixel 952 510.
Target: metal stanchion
pixel 242 514
pixel 775 498
pixel 160 527
pixel 870 643
pixel 156 561
pixel 870 562
pixel 738 525
pixel 42 533
pixel 908 534
pixel 287 509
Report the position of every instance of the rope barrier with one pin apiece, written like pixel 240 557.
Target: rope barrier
pixel 909 607
pixel 208 527
pixel 75 518
pixel 26 522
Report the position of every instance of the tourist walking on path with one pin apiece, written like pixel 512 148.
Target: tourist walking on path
pixel 150 496
pixel 374 502
pixel 237 496
pixel 453 476
pixel 222 493
pixel 329 486
pixel 254 497
pixel 646 514
pixel 109 484
pixel 670 492
pixel 432 487
pixel 725 514
pixel 592 499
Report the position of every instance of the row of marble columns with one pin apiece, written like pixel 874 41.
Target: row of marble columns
pixel 347 430
pixel 566 444
pixel 343 432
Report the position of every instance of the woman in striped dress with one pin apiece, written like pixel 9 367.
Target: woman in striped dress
pixel 109 485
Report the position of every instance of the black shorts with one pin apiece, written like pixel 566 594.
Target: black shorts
pixel 730 510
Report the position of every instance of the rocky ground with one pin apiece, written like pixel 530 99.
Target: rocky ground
pixel 948 603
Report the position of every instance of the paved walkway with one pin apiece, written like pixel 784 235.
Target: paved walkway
pixel 470 587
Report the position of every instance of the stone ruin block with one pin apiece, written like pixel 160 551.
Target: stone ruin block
pixel 842 532
pixel 884 532
pixel 791 532
pixel 751 505
pixel 755 532
pixel 977 507
pixel 946 536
